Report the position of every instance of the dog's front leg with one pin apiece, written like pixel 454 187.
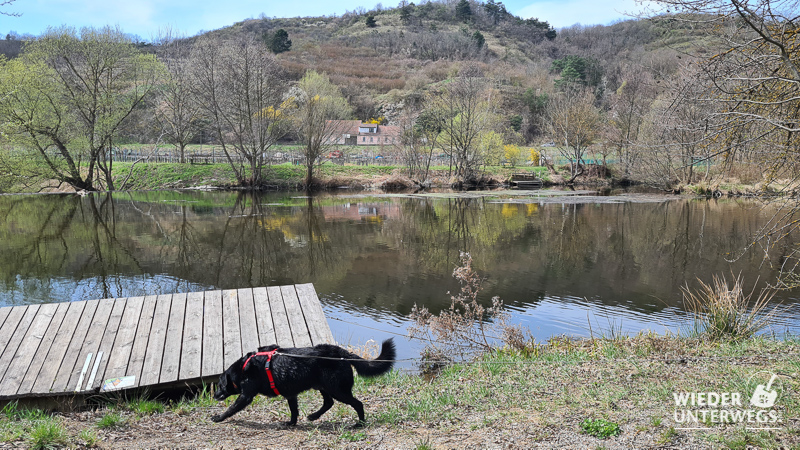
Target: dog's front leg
pixel 237 406
pixel 293 409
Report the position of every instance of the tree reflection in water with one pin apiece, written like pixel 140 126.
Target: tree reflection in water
pixel 376 255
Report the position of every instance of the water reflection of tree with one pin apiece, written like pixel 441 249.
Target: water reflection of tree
pixel 108 255
pixel 75 238
pixel 32 235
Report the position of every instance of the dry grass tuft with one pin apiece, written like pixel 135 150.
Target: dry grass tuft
pixel 397 183
pixel 720 312
pixel 368 350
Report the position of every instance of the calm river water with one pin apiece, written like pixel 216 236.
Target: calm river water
pixel 562 263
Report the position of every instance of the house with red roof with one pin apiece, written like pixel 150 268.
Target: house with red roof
pixel 355 132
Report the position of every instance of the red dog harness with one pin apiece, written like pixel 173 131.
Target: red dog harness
pixel 266 367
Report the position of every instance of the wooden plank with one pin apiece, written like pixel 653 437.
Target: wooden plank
pixel 172 347
pixel 69 340
pixel 84 369
pixel 91 344
pixel 46 348
pixel 4 312
pixel 139 349
pixel 212 334
pixel 247 321
pixel 151 368
pixel 107 344
pixel 280 322
pixel 295 314
pixel 191 354
pixel 10 326
pixel 119 356
pixel 231 332
pixel 266 331
pixel 22 358
pixel 317 324
pixel 101 356
pixel 16 338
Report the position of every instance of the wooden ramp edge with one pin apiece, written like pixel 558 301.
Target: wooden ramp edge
pixel 96 346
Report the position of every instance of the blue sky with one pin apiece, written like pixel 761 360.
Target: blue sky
pixel 146 18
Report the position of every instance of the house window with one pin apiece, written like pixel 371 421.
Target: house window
pixel 370 138
pixel 363 139
pixel 386 139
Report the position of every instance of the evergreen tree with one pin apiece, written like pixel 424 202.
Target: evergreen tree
pixel 479 39
pixel 371 23
pixel 405 13
pixel 493 10
pixel 463 11
pixel 577 69
pixel 278 42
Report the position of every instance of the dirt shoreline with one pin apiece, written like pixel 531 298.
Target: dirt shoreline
pixel 540 399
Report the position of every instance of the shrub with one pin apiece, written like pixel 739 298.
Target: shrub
pixel 465 329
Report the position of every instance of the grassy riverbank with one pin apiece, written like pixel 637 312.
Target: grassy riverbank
pixel 565 393
pixel 283 176
pixel 151 176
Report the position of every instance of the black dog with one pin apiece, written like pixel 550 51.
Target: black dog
pixel 294 370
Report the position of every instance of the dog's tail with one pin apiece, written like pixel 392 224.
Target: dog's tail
pixel 380 365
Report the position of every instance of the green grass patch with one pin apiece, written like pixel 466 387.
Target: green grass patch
pixel 667 436
pixel 88 437
pixel 204 398
pixel 600 428
pixel 353 436
pixel 48 434
pixel 145 407
pixel 144 176
pixel 112 419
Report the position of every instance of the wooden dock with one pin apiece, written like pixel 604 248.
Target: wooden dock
pixel 526 181
pixel 93 346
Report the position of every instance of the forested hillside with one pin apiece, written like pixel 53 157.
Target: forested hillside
pixel 409 48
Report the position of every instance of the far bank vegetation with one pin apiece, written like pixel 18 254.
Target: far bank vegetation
pixel 662 100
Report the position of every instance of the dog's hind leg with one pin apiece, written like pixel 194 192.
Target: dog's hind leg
pixel 327 402
pixel 347 398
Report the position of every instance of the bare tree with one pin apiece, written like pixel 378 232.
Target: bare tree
pixel 176 106
pixel 462 109
pixel 629 107
pixel 240 87
pixel 574 126
pixel 751 84
pixel 418 142
pixel 318 104
pixel 6 3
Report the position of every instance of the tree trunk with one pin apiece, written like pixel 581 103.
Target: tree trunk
pixel 309 173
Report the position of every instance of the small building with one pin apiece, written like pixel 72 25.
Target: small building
pixel 355 132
